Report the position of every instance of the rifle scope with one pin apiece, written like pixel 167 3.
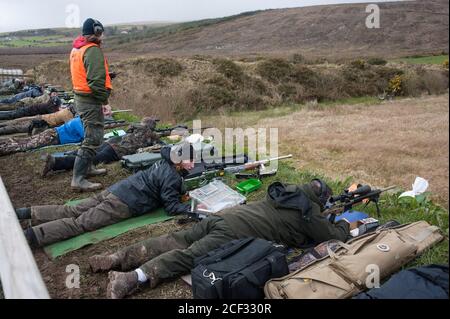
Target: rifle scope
pixel 360 191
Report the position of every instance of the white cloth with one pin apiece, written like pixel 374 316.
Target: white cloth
pixel 141 276
pixel 419 187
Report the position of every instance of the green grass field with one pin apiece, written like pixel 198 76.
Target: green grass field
pixel 34 41
pixel 434 59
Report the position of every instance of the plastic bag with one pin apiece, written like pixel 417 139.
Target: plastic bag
pixel 420 186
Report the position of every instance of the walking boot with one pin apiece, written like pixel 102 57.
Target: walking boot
pixel 23 213
pixel 121 284
pixel 80 170
pixel 104 263
pixel 49 165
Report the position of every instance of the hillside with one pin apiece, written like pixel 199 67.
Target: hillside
pixel 333 30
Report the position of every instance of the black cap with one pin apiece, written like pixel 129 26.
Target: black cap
pixel 92 26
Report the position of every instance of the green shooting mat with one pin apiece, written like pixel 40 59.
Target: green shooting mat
pixel 61 248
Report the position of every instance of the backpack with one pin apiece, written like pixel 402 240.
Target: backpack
pixel 238 269
pixel 428 282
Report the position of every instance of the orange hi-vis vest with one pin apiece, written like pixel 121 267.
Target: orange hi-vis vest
pixel 78 71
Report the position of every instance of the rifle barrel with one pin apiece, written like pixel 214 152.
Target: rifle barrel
pixel 275 159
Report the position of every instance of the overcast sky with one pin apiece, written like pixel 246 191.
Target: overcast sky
pixel 32 14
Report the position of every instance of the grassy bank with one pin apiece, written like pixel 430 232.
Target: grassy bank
pixel 433 59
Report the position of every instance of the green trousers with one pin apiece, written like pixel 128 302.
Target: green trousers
pixel 172 255
pixel 59 222
pixel 93 123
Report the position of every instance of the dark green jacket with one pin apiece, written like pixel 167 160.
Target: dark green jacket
pixel 94 62
pixel 265 219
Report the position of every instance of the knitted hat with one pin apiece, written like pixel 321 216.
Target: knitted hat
pixel 92 26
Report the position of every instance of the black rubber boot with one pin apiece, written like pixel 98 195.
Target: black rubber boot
pixel 81 167
pixel 31 237
pixel 23 213
pixel 49 165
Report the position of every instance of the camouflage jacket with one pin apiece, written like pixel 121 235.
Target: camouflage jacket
pixel 29 101
pixel 137 137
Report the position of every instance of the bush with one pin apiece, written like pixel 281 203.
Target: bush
pixel 275 70
pixel 211 97
pixel 162 67
pixel 425 81
pixel 248 100
pixel 298 58
pixel 396 85
pixel 220 80
pixel 304 76
pixel 358 64
pixel 377 61
pixel 288 92
pixel 229 69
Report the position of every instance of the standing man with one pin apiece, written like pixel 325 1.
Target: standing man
pixel 92 86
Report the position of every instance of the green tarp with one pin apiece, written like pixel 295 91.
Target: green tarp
pixel 64 247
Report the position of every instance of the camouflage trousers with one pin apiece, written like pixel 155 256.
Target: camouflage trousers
pixel 16 145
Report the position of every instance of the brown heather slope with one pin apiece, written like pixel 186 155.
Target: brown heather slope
pixel 331 31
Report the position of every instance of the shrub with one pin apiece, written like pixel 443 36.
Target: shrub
pixel 162 67
pixel 211 97
pixel 275 70
pixel 297 58
pixel 425 81
pixel 229 69
pixel 396 85
pixel 304 76
pixel 288 92
pixel 377 61
pixel 358 64
pixel 220 80
pixel 248 100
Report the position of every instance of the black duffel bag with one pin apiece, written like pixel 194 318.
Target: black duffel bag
pixel 238 269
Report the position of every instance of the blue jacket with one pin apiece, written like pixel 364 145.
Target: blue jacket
pixel 71 132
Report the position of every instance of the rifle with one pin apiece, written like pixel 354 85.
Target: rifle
pixel 166 131
pixel 345 201
pixel 214 171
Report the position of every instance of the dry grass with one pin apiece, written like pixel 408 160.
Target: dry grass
pixel 380 144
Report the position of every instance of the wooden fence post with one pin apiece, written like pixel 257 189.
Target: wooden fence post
pixel 19 273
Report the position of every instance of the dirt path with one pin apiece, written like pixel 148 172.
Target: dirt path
pixel 387 144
